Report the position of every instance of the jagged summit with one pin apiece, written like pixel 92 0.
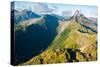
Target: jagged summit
pixel 76 14
pixel 84 21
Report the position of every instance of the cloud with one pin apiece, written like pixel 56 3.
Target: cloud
pixel 42 8
pixel 66 13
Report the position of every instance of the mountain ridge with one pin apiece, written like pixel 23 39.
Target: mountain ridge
pixel 69 38
pixel 55 34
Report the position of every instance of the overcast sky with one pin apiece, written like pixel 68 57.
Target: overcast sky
pixel 60 9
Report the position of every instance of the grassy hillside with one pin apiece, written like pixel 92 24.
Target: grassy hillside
pixel 24 24
pixel 59 41
pixel 72 44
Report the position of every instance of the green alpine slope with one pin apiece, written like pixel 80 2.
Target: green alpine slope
pixel 73 43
